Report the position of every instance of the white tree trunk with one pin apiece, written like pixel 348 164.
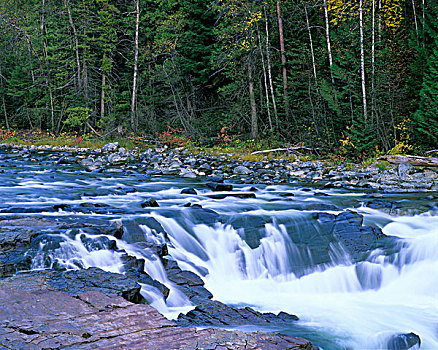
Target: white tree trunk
pixel 327 35
pixel 268 59
pixel 311 42
pixel 134 81
pixel 362 61
pixel 75 35
pixel 254 128
pixel 265 80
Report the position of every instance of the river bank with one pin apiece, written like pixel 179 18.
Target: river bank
pixel 121 211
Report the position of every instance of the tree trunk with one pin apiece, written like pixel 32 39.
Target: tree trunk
pixel 3 96
pixel 265 80
pixel 283 60
pixel 414 160
pixel 415 19
pixel 254 128
pixel 311 42
pixel 48 80
pixel 134 81
pixel 102 97
pixel 373 49
pixel 362 61
pixel 75 35
pixel 327 36
pixel 268 60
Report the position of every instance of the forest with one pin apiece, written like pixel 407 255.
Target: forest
pixel 359 76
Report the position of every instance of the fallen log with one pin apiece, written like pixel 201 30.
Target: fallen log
pixel 413 160
pixel 286 149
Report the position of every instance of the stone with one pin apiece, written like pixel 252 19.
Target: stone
pixel 215 313
pixel 404 169
pixel 117 159
pixel 242 170
pixel 404 342
pixel 216 186
pixel 242 195
pixel 43 319
pixel 110 147
pixel 75 282
pixel 188 191
pixel 150 203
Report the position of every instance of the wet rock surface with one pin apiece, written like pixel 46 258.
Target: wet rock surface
pixel 214 313
pixel 403 178
pixel 75 282
pixel 41 319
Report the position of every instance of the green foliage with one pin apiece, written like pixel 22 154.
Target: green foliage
pixel 77 116
pixel 193 70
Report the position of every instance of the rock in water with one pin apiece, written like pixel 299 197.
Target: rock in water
pixel 404 342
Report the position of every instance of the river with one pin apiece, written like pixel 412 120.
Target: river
pixel 265 252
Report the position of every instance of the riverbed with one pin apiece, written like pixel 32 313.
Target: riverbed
pixel 270 246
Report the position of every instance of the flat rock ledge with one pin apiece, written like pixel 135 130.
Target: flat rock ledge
pixel 46 319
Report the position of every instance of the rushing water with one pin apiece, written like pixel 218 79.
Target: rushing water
pixel 264 252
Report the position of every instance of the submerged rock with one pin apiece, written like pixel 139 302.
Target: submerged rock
pixel 404 342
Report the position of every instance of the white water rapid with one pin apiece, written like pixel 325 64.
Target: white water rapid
pixel 331 300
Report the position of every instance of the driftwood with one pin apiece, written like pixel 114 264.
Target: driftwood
pixel 93 130
pixel 414 160
pixel 287 149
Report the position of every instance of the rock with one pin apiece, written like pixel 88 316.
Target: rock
pixel 404 169
pixel 117 159
pixel 188 191
pixel 242 170
pixel 110 147
pixel 241 195
pixel 215 313
pixel 205 168
pixel 216 186
pixel 67 160
pixel 15 240
pixel 150 203
pixel 75 282
pixel 404 342
pixel 43 319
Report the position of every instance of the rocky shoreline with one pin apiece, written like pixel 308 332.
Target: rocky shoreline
pixel 88 294
pixel 162 161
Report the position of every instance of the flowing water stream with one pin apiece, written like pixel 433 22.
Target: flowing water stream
pixel 264 252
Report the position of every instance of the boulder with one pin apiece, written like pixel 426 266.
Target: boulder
pixel 216 186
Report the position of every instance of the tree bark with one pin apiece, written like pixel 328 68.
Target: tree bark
pixel 48 80
pixel 311 42
pixel 102 97
pixel 254 128
pixel 268 60
pixel 327 36
pixel 373 70
pixel 134 81
pixel 2 79
pixel 265 80
pixel 414 160
pixel 415 19
pixel 283 61
pixel 362 61
pixel 75 36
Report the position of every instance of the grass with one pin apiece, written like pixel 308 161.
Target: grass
pixel 235 149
